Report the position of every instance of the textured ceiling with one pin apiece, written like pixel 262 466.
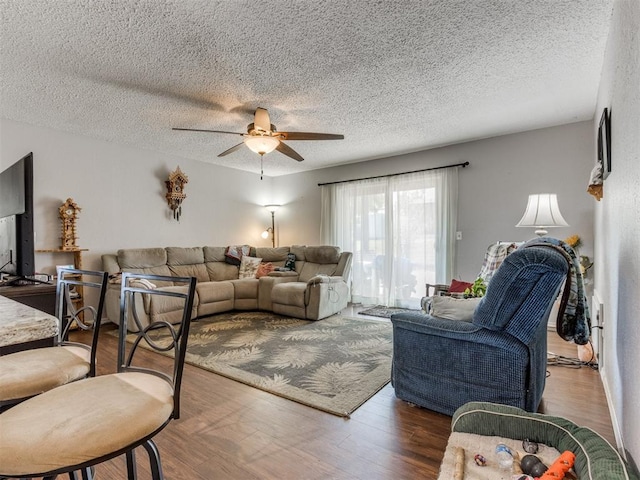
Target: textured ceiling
pixel 392 76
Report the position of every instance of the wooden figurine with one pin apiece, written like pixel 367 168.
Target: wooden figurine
pixel 68 213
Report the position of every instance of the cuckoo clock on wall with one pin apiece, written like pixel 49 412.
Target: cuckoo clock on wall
pixel 68 213
pixel 175 191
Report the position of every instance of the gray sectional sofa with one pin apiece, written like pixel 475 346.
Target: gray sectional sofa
pixel 316 289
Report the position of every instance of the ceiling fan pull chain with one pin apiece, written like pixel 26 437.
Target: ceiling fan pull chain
pixel 261 169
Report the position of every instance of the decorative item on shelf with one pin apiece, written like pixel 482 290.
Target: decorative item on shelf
pixel 542 212
pixel 272 229
pixel 68 213
pixel 575 242
pixel 175 191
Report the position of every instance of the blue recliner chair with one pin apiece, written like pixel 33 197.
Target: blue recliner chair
pixel 500 356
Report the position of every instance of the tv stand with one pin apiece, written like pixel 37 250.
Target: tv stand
pixel 39 295
pixel 22 281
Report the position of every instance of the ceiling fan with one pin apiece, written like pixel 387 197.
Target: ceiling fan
pixel 262 137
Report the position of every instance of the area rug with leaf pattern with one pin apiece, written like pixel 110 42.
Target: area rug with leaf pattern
pixel 334 365
pixel 384 312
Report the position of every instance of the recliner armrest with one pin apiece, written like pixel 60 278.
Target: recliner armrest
pixel 324 279
pixel 283 274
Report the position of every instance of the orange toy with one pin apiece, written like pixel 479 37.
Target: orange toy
pixel 561 466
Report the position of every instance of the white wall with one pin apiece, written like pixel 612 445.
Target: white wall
pixel 617 225
pixel 493 190
pixel 121 192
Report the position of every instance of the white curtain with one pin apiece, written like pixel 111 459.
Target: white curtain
pixel 401 230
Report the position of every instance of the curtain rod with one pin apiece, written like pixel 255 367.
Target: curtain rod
pixel 396 174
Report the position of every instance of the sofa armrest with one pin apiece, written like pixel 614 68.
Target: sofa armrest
pixel 287 274
pixel 325 296
pixel 324 279
pixel 110 263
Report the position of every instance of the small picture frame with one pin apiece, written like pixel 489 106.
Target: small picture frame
pixel 604 143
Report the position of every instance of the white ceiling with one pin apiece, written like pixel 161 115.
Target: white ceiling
pixel 392 76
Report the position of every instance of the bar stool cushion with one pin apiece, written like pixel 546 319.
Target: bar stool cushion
pixel 32 372
pixel 82 421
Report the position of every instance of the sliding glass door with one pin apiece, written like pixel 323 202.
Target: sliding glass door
pixel 400 229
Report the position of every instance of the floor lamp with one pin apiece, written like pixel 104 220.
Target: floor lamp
pixel 272 229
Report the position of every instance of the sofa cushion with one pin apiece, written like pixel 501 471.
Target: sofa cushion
pixel 214 254
pixel 291 293
pixel 184 256
pixel 249 266
pixel 458 286
pixel 324 254
pixel 310 270
pixel 151 261
pixel 169 309
pixel 268 254
pixel 219 271
pixel 198 270
pixel 211 292
pixel 140 258
pixel 187 262
pixel 453 308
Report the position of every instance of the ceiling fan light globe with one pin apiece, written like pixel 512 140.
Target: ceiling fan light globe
pixel 261 144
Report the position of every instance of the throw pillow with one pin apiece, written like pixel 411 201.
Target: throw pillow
pixel 233 254
pixel 458 286
pixel 249 266
pixel 264 269
pixel 453 308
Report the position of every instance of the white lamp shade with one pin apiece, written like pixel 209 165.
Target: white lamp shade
pixel 542 212
pixel 261 144
pixel 272 208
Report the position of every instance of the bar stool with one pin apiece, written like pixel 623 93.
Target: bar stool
pixel 81 424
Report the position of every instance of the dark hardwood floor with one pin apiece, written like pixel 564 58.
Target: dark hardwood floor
pixel 231 431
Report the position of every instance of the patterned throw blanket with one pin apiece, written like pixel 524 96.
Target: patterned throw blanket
pixel 576 321
pixel 496 253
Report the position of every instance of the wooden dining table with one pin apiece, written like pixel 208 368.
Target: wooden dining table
pixel 23 327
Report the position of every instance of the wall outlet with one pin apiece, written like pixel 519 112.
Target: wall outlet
pixel 458 235
pixel 597 327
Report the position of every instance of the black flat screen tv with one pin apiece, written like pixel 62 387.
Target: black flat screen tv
pixel 16 219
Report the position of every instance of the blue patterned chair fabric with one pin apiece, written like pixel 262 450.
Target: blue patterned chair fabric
pixel 500 356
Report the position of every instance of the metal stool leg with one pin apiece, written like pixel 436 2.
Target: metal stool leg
pixel 154 460
pixel 131 465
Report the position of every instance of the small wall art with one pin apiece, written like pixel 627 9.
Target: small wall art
pixel 604 143
pixel 175 191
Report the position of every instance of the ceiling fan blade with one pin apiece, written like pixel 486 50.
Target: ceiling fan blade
pixel 208 131
pixel 289 152
pixel 261 119
pixel 309 136
pixel 231 150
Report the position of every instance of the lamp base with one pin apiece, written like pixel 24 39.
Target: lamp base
pixel 541 232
